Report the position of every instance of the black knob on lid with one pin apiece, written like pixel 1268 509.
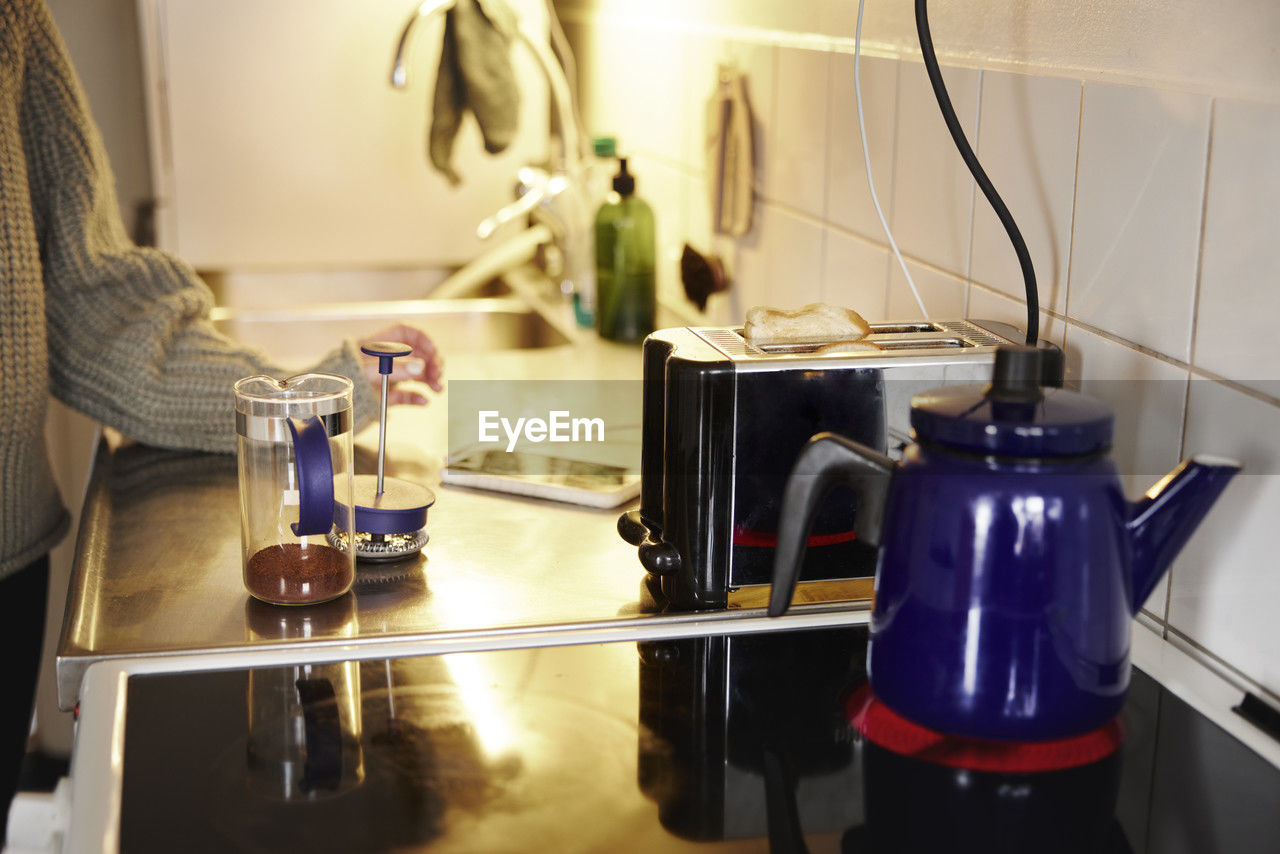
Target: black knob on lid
pixel 1016 375
pixel 1053 366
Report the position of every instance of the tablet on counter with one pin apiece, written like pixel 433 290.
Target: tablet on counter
pixel 592 484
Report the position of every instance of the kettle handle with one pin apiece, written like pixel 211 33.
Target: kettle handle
pixel 827 459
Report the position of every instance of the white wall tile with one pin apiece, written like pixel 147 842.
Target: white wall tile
pixel 780 261
pixel 1027 139
pixel 1239 300
pixel 728 308
pixel 945 296
pixel 854 273
pixel 594 76
pixel 697 214
pixel 750 263
pixel 1139 193
pixel 1149 397
pixel 796 141
pixel 1225 584
pixel 702 55
pixel 849 202
pixel 932 188
pixel 795 259
pixel 662 186
pixel 1113 371
pixel 637 91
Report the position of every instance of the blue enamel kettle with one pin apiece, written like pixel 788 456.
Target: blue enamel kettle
pixel 1010 563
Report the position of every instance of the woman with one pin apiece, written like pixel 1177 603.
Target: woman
pixel 118 332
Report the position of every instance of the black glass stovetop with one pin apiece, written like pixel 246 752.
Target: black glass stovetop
pixel 706 744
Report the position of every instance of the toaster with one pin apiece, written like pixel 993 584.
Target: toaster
pixel 724 420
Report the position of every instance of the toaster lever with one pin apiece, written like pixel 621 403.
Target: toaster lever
pixel 657 557
pixel 632 528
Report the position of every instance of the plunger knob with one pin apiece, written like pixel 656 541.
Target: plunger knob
pixel 386 351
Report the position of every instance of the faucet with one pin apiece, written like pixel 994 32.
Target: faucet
pixel 559 196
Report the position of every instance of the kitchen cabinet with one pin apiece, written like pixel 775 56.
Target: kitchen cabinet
pixel 277 141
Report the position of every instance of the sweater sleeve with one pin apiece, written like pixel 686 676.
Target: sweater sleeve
pixel 129 338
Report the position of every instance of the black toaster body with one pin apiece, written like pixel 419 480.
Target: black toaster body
pixel 723 424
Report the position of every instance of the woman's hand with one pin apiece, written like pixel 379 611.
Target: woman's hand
pixel 423 365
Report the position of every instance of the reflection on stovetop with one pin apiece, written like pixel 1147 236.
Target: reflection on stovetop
pixel 734 743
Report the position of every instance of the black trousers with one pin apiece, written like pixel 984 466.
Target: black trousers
pixel 22 606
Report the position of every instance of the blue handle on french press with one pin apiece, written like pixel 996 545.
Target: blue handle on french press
pixel 315 477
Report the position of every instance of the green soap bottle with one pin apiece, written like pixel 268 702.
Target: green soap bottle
pixel 626 299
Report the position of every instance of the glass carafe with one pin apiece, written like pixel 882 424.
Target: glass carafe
pixel 295 463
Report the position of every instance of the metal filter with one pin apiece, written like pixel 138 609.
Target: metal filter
pixel 381 548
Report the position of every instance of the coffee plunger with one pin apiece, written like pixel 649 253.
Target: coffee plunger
pixel 390 514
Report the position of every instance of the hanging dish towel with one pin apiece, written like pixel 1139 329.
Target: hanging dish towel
pixel 475 76
pixel 729 154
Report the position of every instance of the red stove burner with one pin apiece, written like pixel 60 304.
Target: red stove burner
pixel 769 539
pixel 886 728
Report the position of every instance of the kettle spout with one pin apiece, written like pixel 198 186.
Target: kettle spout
pixel 1161 523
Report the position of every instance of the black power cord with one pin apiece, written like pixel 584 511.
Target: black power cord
pixel 979 174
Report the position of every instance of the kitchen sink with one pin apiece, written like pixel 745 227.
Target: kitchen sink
pixel 296 337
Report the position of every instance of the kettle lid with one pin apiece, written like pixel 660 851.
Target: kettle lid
pixel 1013 416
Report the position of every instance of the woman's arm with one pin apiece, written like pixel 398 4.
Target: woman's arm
pixel 129 338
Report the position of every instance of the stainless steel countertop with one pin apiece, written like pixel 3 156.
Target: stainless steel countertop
pixel 157 569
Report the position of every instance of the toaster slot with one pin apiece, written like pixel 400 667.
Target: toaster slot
pixel 797 348
pixel 939 342
pixel 903 328
pixel 789 349
pixel 924 342
pixel 922 335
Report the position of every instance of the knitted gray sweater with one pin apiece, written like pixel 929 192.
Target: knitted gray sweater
pixel 116 331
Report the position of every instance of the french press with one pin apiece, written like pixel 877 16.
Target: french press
pixel 294 448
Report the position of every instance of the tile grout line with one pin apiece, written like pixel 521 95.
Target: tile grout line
pixel 1204 210
pixel 973 192
pixel 893 178
pixel 1071 233
pixel 766 136
pixel 1192 336
pixel 826 172
pixel 1225 668
pixel 1182 454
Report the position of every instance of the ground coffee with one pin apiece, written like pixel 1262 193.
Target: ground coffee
pixel 289 574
